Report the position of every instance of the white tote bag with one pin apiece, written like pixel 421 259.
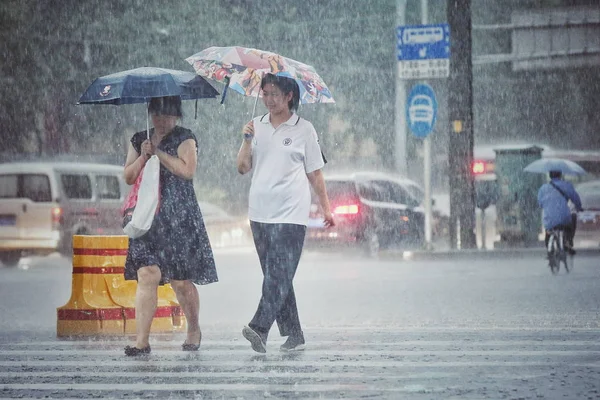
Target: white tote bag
pixel 148 194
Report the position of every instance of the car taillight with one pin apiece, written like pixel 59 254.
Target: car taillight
pixel 90 211
pixel 346 209
pixel 56 216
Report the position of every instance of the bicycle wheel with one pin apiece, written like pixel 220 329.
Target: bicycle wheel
pixel 564 256
pixel 553 255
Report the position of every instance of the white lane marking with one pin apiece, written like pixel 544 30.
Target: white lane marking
pixel 452 329
pixel 238 387
pixel 236 374
pixel 317 353
pixel 106 344
pixel 161 363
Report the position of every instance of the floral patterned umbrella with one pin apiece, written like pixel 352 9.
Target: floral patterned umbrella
pixel 242 69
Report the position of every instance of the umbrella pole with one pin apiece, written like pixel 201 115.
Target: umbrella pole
pixel 257 96
pixel 227 80
pixel 147 123
pixel 254 108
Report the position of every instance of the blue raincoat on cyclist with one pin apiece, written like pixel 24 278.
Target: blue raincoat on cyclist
pixel 554 204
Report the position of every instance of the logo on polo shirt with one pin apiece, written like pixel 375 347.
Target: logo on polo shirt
pixel 287 141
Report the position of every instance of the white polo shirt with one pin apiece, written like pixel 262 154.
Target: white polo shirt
pixel 281 158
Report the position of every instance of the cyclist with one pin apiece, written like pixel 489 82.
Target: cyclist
pixel 553 198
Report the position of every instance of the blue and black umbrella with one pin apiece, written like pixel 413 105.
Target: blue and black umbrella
pixel 142 84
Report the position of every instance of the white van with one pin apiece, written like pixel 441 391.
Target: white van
pixel 43 204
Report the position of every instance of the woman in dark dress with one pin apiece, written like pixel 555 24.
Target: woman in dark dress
pixel 176 249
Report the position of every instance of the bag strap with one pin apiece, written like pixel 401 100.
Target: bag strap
pixel 560 191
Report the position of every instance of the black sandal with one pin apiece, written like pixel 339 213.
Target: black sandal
pixel 134 351
pixel 190 347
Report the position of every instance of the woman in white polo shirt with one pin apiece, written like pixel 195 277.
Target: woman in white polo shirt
pixel 282 150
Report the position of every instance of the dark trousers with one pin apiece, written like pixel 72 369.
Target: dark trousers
pixel 569 231
pixel 279 247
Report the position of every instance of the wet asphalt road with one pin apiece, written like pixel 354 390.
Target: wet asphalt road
pixel 465 329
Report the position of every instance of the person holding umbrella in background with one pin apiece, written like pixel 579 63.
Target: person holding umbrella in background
pixel 282 150
pixel 176 249
pixel 554 198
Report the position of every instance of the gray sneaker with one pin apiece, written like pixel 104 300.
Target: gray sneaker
pixel 293 343
pixel 257 342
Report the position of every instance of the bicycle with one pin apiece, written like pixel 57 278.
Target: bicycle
pixel 557 252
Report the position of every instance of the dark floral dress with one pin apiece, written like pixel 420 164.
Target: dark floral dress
pixel 177 240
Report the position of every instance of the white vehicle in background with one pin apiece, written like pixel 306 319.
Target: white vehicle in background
pixel 43 204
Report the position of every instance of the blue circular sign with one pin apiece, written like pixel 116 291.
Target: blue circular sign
pixel 421 110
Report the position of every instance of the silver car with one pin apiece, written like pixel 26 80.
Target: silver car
pixel 43 204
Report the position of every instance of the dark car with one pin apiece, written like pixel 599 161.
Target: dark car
pixel 373 211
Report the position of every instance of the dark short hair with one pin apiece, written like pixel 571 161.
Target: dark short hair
pixel 168 105
pixel 286 85
pixel 555 174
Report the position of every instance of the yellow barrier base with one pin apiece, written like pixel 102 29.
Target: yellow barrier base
pixel 91 322
pixel 167 319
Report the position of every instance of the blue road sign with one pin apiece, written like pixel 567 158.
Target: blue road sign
pixel 421 110
pixel 423 42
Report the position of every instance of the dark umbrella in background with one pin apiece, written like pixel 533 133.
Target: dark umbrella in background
pixel 141 84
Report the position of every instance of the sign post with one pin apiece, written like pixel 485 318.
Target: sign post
pixel 400 158
pixel 424 52
pixel 421 114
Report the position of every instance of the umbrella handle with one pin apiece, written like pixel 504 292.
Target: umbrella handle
pixel 227 79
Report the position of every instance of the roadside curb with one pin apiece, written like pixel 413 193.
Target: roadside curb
pixel 474 254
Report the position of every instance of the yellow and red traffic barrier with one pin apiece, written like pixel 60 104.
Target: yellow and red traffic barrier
pixel 168 316
pixel 102 301
pixel 91 311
